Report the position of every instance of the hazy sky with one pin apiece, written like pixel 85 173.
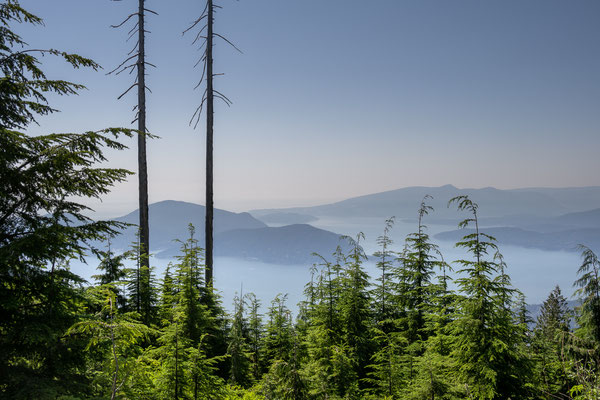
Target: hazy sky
pixel 337 98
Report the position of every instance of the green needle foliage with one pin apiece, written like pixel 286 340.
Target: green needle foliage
pixel 549 338
pixel 487 338
pixel 589 289
pixel 119 335
pixel 41 226
pixel 239 351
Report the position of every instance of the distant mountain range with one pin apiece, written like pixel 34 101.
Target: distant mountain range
pixel 564 240
pixel 544 218
pixel 236 234
pixel 494 203
pixel 548 219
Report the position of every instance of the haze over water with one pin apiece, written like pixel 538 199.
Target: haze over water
pixel 535 272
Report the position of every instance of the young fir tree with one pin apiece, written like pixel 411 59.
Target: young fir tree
pixel 283 379
pixel 323 332
pixel 42 225
pixel 167 299
pixel 589 289
pixel 585 345
pixel 119 334
pixel 238 349
pixel 278 330
pixel 189 370
pixel 355 317
pixel 113 273
pixel 548 344
pixel 255 336
pixel 383 292
pixel 141 285
pixel 487 341
pixel 387 375
pixel 418 262
pixel 196 318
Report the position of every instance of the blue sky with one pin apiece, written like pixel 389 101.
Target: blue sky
pixel 336 98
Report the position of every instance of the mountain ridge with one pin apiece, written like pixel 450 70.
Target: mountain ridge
pixel 404 202
pixel 236 234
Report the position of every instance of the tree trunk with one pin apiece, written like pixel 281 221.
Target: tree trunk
pixel 209 148
pixel 142 165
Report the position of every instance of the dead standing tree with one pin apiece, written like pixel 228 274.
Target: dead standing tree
pixel 205 36
pixel 136 63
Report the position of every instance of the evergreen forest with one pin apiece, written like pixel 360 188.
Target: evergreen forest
pixel 419 329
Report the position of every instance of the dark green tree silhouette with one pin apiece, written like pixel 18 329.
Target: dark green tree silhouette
pixel 41 225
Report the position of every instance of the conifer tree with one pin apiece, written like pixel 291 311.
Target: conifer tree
pixel 589 288
pixel 383 292
pixel 282 380
pixel 417 268
pixel 121 333
pixel 323 332
pixel 549 345
pixel 141 285
pixel 168 298
pixel 585 344
pixel 114 273
pixel 554 315
pixel 195 315
pixel 387 374
pixel 255 336
pixel 42 225
pixel 354 309
pixel 238 349
pixel 486 340
pixel 278 330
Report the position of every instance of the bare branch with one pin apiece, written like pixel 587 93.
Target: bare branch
pixel 135 26
pixel 198 111
pixel 125 92
pixel 129 67
pixel 123 63
pixel 135 48
pixel 231 44
pixel 125 20
pixel 222 97
pixel 201 77
pixel 196 22
pixel 198 36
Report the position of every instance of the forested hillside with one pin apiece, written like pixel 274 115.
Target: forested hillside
pixel 419 329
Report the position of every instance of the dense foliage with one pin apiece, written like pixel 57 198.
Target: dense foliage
pixel 409 333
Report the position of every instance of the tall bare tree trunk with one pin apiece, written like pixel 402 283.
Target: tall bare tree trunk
pixel 142 165
pixel 209 147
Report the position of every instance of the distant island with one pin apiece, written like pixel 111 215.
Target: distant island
pixel 237 235
pixel 542 218
pixel 287 218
